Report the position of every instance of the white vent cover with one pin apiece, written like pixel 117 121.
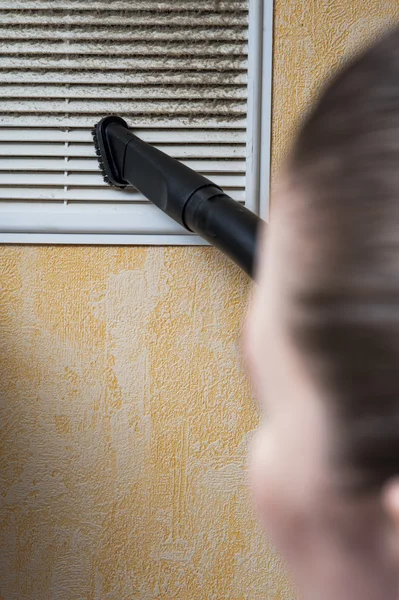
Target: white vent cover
pixel 192 77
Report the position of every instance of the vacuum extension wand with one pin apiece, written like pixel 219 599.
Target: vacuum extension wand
pixel 190 199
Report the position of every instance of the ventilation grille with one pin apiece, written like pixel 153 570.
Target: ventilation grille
pixel 177 71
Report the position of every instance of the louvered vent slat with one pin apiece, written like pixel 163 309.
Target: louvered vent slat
pixel 178 72
pixel 139 5
pixel 124 34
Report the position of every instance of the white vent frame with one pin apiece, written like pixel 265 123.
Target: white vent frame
pixel 141 224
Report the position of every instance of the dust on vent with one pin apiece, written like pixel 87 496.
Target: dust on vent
pixel 190 76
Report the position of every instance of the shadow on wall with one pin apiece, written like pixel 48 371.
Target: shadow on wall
pixel 124 424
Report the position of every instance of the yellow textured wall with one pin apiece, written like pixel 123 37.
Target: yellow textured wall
pixel 125 414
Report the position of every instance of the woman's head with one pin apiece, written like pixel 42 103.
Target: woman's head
pixel 323 341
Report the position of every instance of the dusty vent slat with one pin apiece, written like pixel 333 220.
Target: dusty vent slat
pixel 87 180
pixel 82 165
pixel 178 72
pixel 86 151
pixel 133 18
pixel 121 93
pixel 126 48
pixel 194 106
pixel 127 5
pixel 83 195
pixel 115 63
pixel 136 120
pixel 121 77
pixel 152 136
pixel 122 33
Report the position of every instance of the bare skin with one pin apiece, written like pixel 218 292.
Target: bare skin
pixel 336 547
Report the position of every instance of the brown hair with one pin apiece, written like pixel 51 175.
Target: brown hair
pixel 347 158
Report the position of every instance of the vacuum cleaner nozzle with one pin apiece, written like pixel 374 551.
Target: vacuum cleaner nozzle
pixel 106 161
pixel 189 198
